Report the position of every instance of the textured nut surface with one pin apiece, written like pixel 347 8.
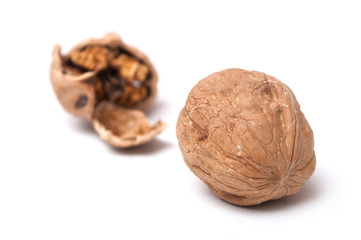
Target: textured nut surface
pixel 106 72
pixel 244 135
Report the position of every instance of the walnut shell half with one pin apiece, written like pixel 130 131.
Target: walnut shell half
pixel 244 135
pixel 132 125
pixel 107 72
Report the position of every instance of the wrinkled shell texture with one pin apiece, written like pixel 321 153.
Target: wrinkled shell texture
pixel 244 135
pixel 107 76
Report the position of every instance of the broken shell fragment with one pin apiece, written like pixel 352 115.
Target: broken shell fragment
pixel 106 76
pixel 123 127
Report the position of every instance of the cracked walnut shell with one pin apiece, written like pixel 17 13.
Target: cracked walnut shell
pixel 106 81
pixel 244 135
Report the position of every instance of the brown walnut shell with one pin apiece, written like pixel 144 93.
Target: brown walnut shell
pixel 244 135
pixel 107 76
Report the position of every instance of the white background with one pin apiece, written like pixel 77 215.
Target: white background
pixel 58 180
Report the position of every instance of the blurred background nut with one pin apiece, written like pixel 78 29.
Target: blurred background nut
pixel 106 82
pixel 244 135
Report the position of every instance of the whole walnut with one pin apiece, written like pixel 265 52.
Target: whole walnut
pixel 244 135
pixel 106 81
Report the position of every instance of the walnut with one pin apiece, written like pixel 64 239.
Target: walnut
pixel 244 135
pixel 106 82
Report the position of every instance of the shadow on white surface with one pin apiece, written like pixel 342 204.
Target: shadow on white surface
pixel 82 125
pixel 152 147
pixel 310 192
pixel 157 109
